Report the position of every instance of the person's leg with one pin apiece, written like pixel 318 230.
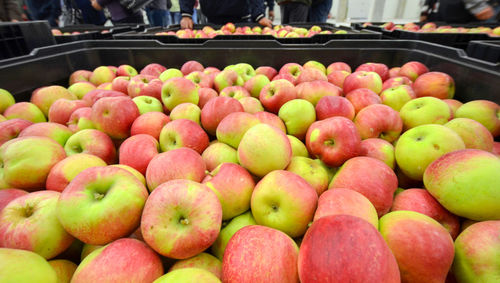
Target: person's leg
pixel 298 12
pixel 149 14
pixel 195 16
pixel 319 12
pixel 284 13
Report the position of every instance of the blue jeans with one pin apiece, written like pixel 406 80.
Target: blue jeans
pixel 319 13
pixel 158 17
pixel 175 18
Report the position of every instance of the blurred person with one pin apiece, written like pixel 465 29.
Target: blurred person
pixel 294 10
pixel 224 11
pixel 318 13
pixel 158 12
pixel 10 11
pixel 49 10
pixel 175 13
pixel 76 12
pixel 270 6
pixel 458 11
pixel 119 14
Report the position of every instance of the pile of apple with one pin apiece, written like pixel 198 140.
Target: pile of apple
pixel 231 29
pixel 432 27
pixel 58 32
pixel 308 173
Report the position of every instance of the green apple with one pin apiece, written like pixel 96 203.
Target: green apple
pixel 255 84
pixel 311 171
pixel 298 147
pixel 188 111
pixel 25 110
pixel 170 73
pixel 188 275
pixel 424 110
pixel 484 111
pixel 396 97
pixel 204 261
pixel 473 133
pixel 14 265
pixel 79 89
pixel 179 90
pixel 228 230
pixel 44 97
pixel 298 115
pixel 102 74
pixel 88 249
pixel 147 104
pixel 244 70
pixel 6 100
pixel 217 153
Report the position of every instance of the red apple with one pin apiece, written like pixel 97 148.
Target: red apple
pixel 56 132
pixel 93 142
pixel 362 79
pixel 338 77
pixel 205 95
pixel 215 110
pixel 315 90
pixel 191 66
pixel 79 76
pixel 338 66
pixel 153 70
pixel 396 81
pixel 277 93
pixel 137 151
pixel 362 97
pixel 379 121
pixel 183 133
pixel 436 84
pixel 45 96
pixel 80 120
pixel 126 70
pixel 93 96
pixel 11 129
pixel 149 123
pixel 60 111
pixel 379 149
pixel 381 69
pixel 145 85
pixel 8 195
pixel 412 70
pixel 269 72
pixel 271 119
pixel 114 116
pixel 310 75
pixel 26 111
pixel 331 106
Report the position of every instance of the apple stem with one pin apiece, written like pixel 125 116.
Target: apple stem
pixel 184 221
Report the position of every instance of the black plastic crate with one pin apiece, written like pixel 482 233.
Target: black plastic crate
pixel 485 50
pixel 17 39
pixel 474 79
pixel 88 32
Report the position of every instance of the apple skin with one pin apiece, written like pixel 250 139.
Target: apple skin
pixel 271 119
pixel 277 93
pixel 137 151
pixel 331 106
pixel 149 123
pixel 217 153
pixel 41 233
pixel 126 70
pixel 473 195
pixel 255 84
pixel 410 236
pixel 476 253
pixel 337 78
pixel 496 148
pixel 104 189
pixel 60 111
pixel 292 69
pixel 338 66
pixel 79 89
pixel 251 105
pixel 153 70
pixel 119 84
pixel 79 76
pixel 181 219
pixel 8 195
pixel 233 186
pixel 396 97
pixel 263 149
pixel 379 149
pixel 362 79
pixel 93 142
pixel 269 72
pixel 188 111
pixel 473 133
pixel 178 90
pixel 27 161
pixel 205 95
pixel 324 255
pixel 362 97
pixel 215 110
pixel 285 201
pixel 425 110
pixel 394 72
pixel 188 275
pixel 226 78
pixel 180 163
pixel 183 133
pixel 381 69
pixel 420 146
pixel 94 95
pixel 396 81
pixel 234 126
pixel 25 110
pixel 315 64
pixel 204 261
pixel 315 90
pixel 66 170
pixel 311 171
pixel 248 258
pixel 379 121
pixel 298 147
pixel 483 111
pixel 333 140
pixel 435 84
pixel 191 66
pixel 147 104
pixel 56 132
pixel 145 85
pixel 114 116
pixel 14 263
pixel 80 120
pixel 64 269
pixel 420 200
pixel 412 70
pixel 102 74
pixel 311 74
pixel 201 79
pixel 454 105
pixel 106 86
pixel 170 73
pixel 235 92
pixel 287 77
pixel 102 264
pixel 11 129
pixel 344 201
pixel 228 230
pixel 298 115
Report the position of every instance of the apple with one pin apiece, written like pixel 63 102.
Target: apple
pixel 205 95
pixel 191 274
pixel 337 78
pixel 149 123
pixel 476 251
pixel 464 182
pixel 379 121
pixel 147 104
pixel 30 223
pixel 381 69
pixel 60 111
pixel 410 236
pixel 268 71
pixel 80 120
pixel 396 81
pixel 424 110
pixel 180 163
pixel 473 133
pixel 183 133
pixel 6 100
pixel 191 66
pixel 315 90
pixel 379 149
pixel 181 219
pixel 362 97
pixel 216 109
pixel 92 142
pixel 277 93
pixel 14 263
pixel 420 146
pixel 137 151
pixel 311 171
pixel 298 147
pixel 102 74
pixel 263 149
pixel 483 111
pixel 396 97
pixel 298 115
pixel 412 70
pixel 56 132
pixel 249 258
pixel 394 72
pixel 420 200
pixel 228 77
pixel 103 189
pixel 178 90
pixel 170 73
pixel 453 104
pixel 25 110
pixel 153 69
pixel 228 230
pixel 338 66
pixel 188 111
pixel 64 269
pixel 126 70
pixel 324 254
pixel 333 140
pixel 201 79
pixel 316 65
pixel 79 76
pixel 292 69
pixel 435 84
pixel 251 105
pixel 235 92
pixel 106 86
pixel 255 84
pixel 285 76
pixel 244 70
pixel 203 261
pixel 311 74
pixel 142 263
pixel 145 85
pixel 271 119
pixel 114 116
pixel 233 186
pixel 27 161
pixel 8 195
pixel 232 128
pixel 93 96
pixel 11 129
pixel 363 79
pixel 496 148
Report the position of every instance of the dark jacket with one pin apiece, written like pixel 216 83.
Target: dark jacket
pixel 117 11
pixel 223 11
pixel 9 10
pixel 307 2
pixel 45 10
